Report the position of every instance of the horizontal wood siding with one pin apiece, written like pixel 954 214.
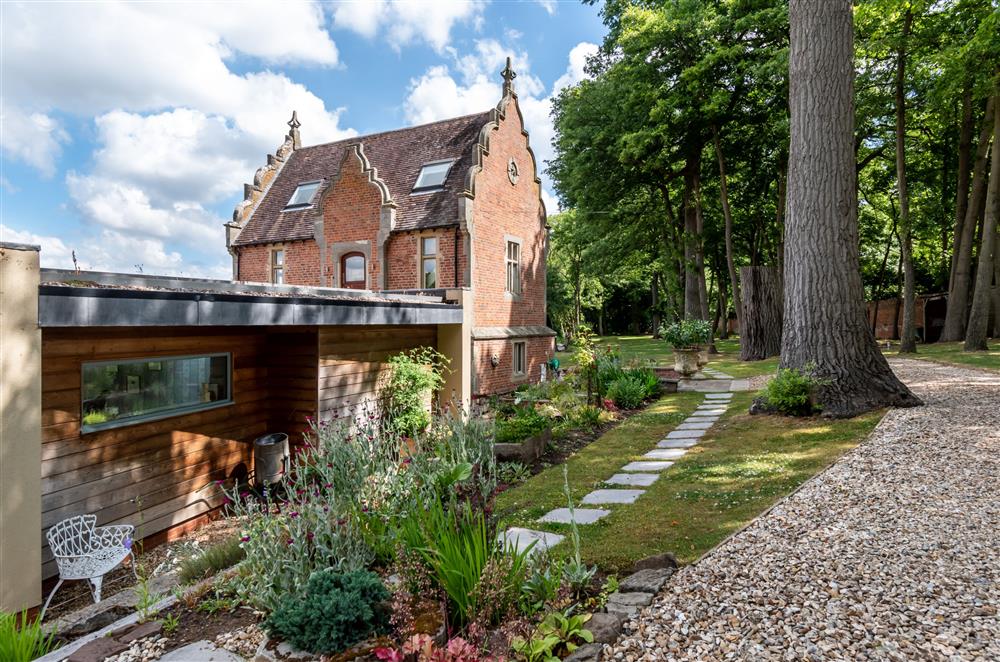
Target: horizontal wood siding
pixel 352 362
pixel 170 464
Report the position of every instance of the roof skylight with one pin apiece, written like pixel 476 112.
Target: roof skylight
pixel 303 195
pixel 432 175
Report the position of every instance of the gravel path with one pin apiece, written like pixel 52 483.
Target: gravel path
pixel 891 554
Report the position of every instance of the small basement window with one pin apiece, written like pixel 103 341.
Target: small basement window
pixel 303 195
pixel 432 176
pixel 117 393
pixel 520 358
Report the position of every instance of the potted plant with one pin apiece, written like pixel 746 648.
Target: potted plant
pixel 686 337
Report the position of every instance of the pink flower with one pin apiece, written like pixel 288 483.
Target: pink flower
pixel 294 513
pixel 245 539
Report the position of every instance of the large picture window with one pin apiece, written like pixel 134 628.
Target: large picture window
pixel 117 393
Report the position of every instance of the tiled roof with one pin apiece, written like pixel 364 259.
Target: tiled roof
pixel 397 156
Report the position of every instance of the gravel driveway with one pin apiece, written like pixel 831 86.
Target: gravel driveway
pixel 891 554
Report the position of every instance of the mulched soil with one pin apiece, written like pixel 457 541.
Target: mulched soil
pixel 193 625
pixel 76 595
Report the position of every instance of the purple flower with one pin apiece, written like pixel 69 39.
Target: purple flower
pixel 294 513
pixel 310 536
pixel 289 542
pixel 127 543
pixel 245 539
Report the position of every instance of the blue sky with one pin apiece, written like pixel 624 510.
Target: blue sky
pixel 127 129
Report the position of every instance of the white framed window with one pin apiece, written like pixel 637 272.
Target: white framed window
pixel 428 262
pixel 303 195
pixel 513 260
pixel 278 266
pixel 125 392
pixel 520 360
pixel 432 175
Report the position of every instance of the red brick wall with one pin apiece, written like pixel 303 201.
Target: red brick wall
pixel 500 379
pixel 301 263
pixel 352 212
pixel 502 209
pixel 402 251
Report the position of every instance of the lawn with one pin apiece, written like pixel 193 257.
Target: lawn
pixel 649 349
pixel 952 353
pixel 742 466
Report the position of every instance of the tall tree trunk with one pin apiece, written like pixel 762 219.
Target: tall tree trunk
pixel 964 167
pixel 762 313
pixel 825 325
pixel 692 287
pixel 655 307
pixel 996 288
pixel 975 337
pixel 727 215
pixel 703 290
pixel 958 289
pixel 908 341
pixel 780 210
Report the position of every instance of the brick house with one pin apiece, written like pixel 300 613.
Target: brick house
pixel 451 205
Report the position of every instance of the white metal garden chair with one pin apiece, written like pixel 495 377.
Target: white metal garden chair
pixel 85 551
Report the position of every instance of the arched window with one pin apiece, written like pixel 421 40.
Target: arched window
pixel 352 271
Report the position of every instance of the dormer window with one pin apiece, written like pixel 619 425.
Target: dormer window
pixel 432 176
pixel 303 195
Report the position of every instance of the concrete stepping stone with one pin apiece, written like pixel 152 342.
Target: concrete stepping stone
pixel 718 396
pixel 701 418
pixel 685 434
pixel 665 454
pixel 677 443
pixel 640 480
pixel 201 651
pixel 642 466
pixel 740 385
pixel 583 515
pixel 521 538
pixel 715 406
pixel 706 413
pixel 599 497
pixel 695 425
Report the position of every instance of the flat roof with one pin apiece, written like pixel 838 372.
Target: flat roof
pixel 68 298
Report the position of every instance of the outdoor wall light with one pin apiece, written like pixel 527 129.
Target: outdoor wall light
pixel 495 360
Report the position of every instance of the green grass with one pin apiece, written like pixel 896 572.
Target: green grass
pixel 213 560
pixel 951 353
pixel 649 349
pixel 741 467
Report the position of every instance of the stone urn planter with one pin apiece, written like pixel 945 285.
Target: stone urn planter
pixel 686 361
pixel 702 357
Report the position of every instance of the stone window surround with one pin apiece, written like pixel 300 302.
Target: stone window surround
pixel 515 375
pixel 272 267
pixel 514 296
pixel 420 257
pixel 339 249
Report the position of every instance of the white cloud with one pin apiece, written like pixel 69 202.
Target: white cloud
pixel 176 128
pixel 32 137
pixel 551 203
pixel 439 93
pixel 406 22
pixel 548 5
pixel 55 253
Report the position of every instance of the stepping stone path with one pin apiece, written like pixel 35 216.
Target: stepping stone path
pixel 640 473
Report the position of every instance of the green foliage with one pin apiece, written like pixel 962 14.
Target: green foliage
pixel 459 547
pixel 212 560
pixel 558 634
pixel 169 623
pixel 576 573
pixel 414 376
pixel 541 586
pixel 335 611
pixel 586 417
pixel 524 423
pixel 538 648
pixel 21 644
pixel 628 391
pixel 791 392
pixel 512 473
pixel 687 334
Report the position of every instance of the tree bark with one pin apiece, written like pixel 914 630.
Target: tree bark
pixel 958 289
pixel 908 340
pixel 727 215
pixel 975 337
pixel 825 327
pixel 964 168
pixel 780 210
pixel 692 289
pixel 762 313
pixel 996 288
pixel 699 263
pixel 655 296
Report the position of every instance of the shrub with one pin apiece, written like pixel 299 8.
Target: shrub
pixel 212 560
pixel 587 416
pixel 687 334
pixel 523 424
pixel 336 611
pixel 414 376
pixel 791 392
pixel 627 392
pixel 24 643
pixel 481 579
pixel 513 473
